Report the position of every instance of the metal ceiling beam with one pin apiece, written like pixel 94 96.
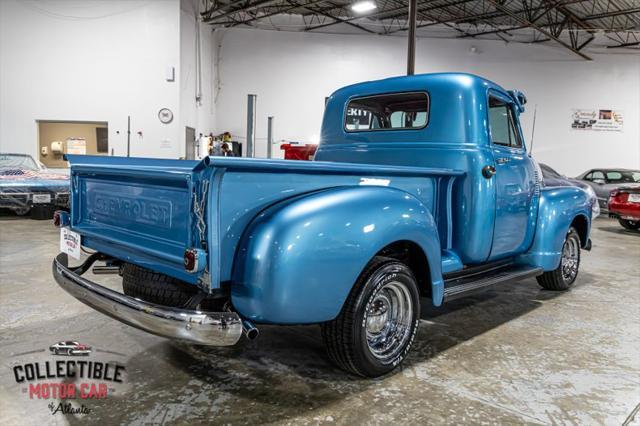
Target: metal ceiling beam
pixel 245 8
pixel 494 14
pixel 489 15
pixel 268 15
pixel 635 43
pixel 551 24
pixel 339 20
pixel 538 28
pixel 613 13
pixel 385 12
pixel 212 10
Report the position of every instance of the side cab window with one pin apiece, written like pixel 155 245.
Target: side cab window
pixel 502 123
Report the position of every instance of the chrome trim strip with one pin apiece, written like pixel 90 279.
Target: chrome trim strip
pixel 203 328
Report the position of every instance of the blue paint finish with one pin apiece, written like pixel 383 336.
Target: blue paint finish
pixel 291 237
pixel 299 259
pixel 559 207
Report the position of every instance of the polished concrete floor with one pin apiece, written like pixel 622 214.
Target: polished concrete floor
pixel 516 354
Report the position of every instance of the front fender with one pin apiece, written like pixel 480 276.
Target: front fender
pixel 558 208
pixel 299 259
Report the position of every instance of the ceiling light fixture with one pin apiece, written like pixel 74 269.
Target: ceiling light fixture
pixel 363 6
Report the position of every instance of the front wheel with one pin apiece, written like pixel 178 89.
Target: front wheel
pixel 629 224
pixel 566 273
pixel 378 322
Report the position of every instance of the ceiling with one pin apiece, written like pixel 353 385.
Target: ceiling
pixel 613 25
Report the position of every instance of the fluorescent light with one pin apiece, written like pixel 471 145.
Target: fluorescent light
pixel 363 6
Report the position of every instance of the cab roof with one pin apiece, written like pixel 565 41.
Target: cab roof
pixel 457 109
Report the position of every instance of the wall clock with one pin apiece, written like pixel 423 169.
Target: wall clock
pixel 165 115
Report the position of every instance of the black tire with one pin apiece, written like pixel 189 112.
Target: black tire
pixel 154 287
pixel 565 274
pixel 629 224
pixel 346 337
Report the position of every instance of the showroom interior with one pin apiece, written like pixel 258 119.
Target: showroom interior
pixel 280 89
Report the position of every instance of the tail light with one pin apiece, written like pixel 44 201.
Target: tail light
pixel 61 218
pixel 620 196
pixel 194 260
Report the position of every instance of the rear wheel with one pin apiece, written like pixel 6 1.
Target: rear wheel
pixel 629 224
pixel 155 288
pixel 378 322
pixel 564 276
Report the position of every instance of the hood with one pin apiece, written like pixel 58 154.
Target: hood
pixel 20 177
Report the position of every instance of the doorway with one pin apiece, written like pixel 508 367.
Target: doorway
pixel 56 138
pixel 190 143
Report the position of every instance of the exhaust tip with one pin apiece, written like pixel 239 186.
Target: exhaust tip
pixel 250 330
pixel 252 334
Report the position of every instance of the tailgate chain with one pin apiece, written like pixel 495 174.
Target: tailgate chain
pixel 199 210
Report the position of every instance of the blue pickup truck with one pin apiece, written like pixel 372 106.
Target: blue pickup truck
pixel 421 187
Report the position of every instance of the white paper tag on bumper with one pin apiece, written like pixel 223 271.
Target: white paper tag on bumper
pixel 70 243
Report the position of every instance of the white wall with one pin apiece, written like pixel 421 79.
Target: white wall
pixel 94 61
pixel 197 114
pixel 293 72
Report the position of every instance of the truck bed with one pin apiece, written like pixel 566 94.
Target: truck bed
pixel 145 211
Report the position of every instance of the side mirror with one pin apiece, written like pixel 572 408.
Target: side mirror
pixel 599 181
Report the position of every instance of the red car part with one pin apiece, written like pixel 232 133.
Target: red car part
pixel 298 152
pixel 625 204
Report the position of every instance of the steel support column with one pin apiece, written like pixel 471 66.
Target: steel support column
pixel 411 43
pixel 251 125
pixel 269 137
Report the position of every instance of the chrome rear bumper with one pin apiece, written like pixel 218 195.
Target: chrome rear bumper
pixel 203 328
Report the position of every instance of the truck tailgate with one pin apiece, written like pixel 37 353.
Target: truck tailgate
pixel 135 209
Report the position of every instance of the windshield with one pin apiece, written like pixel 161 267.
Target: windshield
pixel 17 162
pixel 623 176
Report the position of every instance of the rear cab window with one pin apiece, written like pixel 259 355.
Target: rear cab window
pixel 394 111
pixel 502 124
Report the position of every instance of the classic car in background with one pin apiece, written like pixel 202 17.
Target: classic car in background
pixel 603 181
pixel 551 177
pixel 70 347
pixel 624 205
pixel 24 183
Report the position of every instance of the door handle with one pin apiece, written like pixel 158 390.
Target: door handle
pixel 502 160
pixel 488 171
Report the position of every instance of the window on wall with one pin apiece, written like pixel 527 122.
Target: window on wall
pixel 399 111
pixel 502 124
pixel 102 140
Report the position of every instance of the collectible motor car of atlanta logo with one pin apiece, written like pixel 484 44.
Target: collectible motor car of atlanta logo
pixel 65 379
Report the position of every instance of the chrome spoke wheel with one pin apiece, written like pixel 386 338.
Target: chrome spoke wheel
pixel 570 259
pixel 388 321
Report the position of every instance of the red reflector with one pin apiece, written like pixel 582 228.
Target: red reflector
pixel 190 260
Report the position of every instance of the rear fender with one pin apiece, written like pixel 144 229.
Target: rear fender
pixel 558 209
pixel 299 259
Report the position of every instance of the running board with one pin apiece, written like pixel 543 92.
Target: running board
pixel 461 286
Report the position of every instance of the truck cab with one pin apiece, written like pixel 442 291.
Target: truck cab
pixel 421 187
pixel 461 122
